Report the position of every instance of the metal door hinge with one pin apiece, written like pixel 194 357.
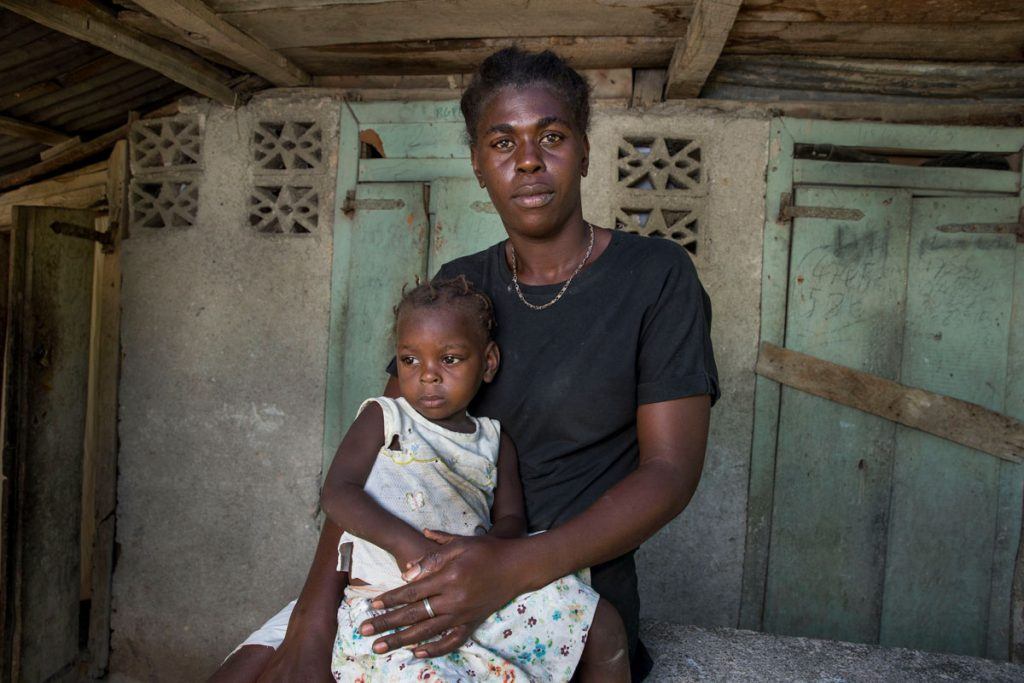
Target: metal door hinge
pixel 1016 229
pixel 787 211
pixel 105 239
pixel 351 204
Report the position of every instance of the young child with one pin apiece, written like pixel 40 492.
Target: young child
pixel 421 462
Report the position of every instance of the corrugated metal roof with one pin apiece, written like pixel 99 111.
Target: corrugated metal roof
pixel 53 80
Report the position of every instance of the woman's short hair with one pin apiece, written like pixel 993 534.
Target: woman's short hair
pixel 517 68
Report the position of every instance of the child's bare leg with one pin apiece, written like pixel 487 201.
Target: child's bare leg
pixel 605 657
pixel 244 666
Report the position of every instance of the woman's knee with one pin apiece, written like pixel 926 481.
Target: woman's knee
pixel 606 639
pixel 244 665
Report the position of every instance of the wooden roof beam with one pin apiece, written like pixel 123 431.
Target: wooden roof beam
pixel 31 131
pixel 696 54
pixel 71 156
pixel 102 31
pixel 202 23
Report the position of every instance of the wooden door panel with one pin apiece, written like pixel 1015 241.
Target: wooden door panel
pixel 46 374
pixel 464 220
pixel 833 463
pixel 388 249
pixel 948 542
pixel 944 561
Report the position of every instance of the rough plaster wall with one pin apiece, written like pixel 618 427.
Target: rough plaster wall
pixel 224 338
pixel 691 571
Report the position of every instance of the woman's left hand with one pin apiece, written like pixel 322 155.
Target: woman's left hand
pixel 466 579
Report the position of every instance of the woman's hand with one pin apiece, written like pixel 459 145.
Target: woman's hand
pixel 466 580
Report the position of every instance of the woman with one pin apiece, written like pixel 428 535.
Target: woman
pixel 608 335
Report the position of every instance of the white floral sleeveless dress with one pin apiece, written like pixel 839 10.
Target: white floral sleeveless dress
pixel 441 479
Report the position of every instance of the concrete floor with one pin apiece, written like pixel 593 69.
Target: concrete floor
pixel 688 653
pixel 684 654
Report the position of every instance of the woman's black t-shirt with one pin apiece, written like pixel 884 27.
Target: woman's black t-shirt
pixel 632 328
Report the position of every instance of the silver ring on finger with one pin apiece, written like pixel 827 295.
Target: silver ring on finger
pixel 430 610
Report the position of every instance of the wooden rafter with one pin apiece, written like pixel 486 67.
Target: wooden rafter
pixel 71 156
pixel 102 31
pixel 31 131
pixel 199 21
pixel 695 55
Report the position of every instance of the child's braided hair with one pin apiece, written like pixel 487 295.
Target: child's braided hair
pixel 458 292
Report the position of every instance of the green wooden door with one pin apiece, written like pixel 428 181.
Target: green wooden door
pixel 833 463
pixel 861 529
pixel 954 511
pixel 407 213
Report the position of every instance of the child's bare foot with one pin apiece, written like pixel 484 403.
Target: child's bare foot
pixel 605 657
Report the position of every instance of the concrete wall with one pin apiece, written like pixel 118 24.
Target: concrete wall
pixel 691 571
pixel 222 391
pixel 224 340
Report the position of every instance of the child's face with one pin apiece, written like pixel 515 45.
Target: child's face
pixel 443 356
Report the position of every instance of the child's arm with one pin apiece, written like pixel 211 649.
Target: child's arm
pixel 508 515
pixel 349 506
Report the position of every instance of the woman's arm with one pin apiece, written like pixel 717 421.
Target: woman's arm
pixel 472 577
pixel 305 653
pixel 672 437
pixel 347 504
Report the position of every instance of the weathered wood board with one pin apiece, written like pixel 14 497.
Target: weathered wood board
pixel 914 177
pixel 388 249
pixel 918 547
pixel 924 39
pixel 51 300
pixel 943 561
pixel 463 220
pixel 968 424
pixel 846 284
pixel 322 24
pixel 77 190
pixel 463 55
pixel 954 11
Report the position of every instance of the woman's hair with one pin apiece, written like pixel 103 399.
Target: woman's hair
pixel 513 67
pixel 457 292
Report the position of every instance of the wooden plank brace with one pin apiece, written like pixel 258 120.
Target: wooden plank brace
pixel 968 424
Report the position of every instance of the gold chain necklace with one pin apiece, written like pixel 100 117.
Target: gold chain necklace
pixel 515 274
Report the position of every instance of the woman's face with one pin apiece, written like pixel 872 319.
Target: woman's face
pixel 530 158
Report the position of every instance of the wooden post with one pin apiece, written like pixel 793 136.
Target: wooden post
pixel 648 88
pixel 104 373
pixel 696 54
